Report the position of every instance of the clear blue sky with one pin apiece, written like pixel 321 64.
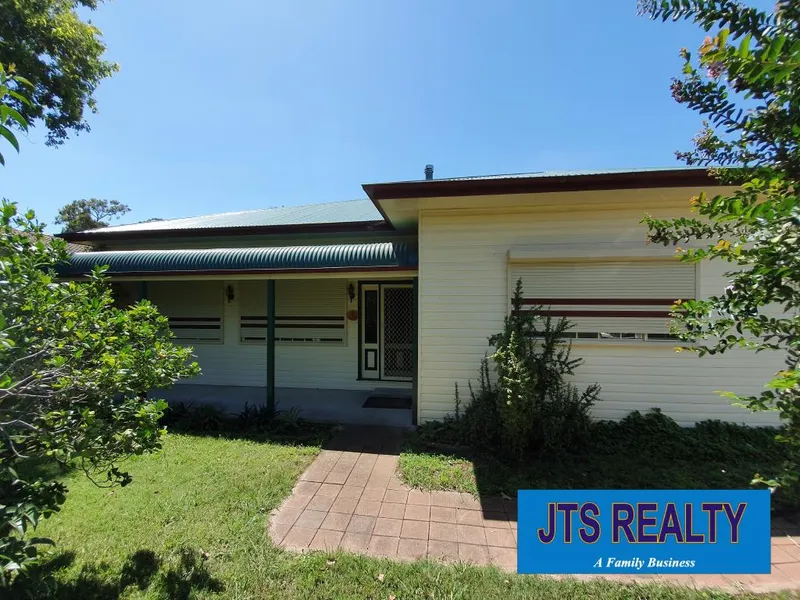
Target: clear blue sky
pixel 249 104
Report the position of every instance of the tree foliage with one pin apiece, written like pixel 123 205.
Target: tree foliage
pixel 61 55
pixel 745 81
pixel 91 213
pixel 10 117
pixel 73 373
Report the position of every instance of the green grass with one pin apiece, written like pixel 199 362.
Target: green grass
pixel 193 524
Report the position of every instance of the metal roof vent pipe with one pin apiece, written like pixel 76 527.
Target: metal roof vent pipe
pixel 428 172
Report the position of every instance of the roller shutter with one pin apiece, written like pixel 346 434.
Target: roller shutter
pixel 609 300
pixel 306 311
pixel 194 308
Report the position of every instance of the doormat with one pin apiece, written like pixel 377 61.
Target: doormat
pixel 388 402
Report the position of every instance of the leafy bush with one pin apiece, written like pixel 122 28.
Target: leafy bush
pixel 256 416
pixel 253 421
pixel 261 417
pixel 196 418
pixel 642 451
pixel 481 422
pixel 75 370
pixel 531 406
pixel 449 431
pixel 655 434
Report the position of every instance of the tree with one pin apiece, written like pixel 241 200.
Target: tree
pixel 74 370
pixel 745 81
pixel 61 55
pixel 89 214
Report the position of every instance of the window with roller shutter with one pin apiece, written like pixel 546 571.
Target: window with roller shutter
pixel 194 309
pixel 611 300
pixel 307 312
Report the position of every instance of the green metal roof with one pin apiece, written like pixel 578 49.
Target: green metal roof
pixel 549 174
pixel 238 260
pixel 351 211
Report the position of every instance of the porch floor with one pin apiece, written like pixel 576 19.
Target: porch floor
pixel 319 405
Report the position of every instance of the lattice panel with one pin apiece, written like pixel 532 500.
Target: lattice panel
pixel 398 332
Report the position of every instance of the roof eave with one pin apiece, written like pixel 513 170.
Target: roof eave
pixel 99 235
pixel 666 178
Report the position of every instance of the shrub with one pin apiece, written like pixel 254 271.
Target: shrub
pixel 532 406
pixel 75 372
pixel 481 421
pixel 449 431
pixel 255 421
pixel 198 418
pixel 656 435
pixel 256 417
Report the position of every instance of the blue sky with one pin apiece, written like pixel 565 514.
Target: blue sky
pixel 250 104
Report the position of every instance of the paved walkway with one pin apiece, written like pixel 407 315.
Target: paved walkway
pixel 351 498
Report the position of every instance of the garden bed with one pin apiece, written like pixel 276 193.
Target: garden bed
pixel 642 452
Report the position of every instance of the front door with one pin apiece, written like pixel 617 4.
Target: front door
pixel 387 331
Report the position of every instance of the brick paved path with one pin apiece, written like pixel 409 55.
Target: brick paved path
pixel 351 498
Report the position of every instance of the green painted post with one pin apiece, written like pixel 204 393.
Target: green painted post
pixel 142 290
pixel 271 344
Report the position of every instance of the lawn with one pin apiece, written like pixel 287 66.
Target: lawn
pixel 193 525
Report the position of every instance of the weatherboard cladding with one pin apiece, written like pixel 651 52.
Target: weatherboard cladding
pixel 340 256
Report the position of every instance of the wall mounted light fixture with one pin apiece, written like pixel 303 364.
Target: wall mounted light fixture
pixel 229 293
pixel 351 292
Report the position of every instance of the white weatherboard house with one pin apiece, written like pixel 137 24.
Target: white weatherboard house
pixel 392 298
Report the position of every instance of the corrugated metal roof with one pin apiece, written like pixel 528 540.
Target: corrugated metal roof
pixel 350 211
pixel 546 174
pixel 224 260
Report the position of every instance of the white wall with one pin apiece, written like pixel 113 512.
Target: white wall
pixel 464 283
pixel 301 366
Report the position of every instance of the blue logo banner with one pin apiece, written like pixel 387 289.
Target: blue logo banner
pixel 644 531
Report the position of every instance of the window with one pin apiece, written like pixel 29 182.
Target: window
pixel 370 316
pixel 609 301
pixel 306 312
pixel 194 309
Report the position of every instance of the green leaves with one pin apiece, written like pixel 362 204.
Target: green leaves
pixel 62 55
pixel 73 369
pixel 744 46
pixel 9 116
pixel 748 91
pixel 532 404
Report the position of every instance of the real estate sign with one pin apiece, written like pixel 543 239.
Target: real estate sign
pixel 644 531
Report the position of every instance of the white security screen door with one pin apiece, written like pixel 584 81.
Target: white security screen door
pixel 387 331
pixel 397 331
